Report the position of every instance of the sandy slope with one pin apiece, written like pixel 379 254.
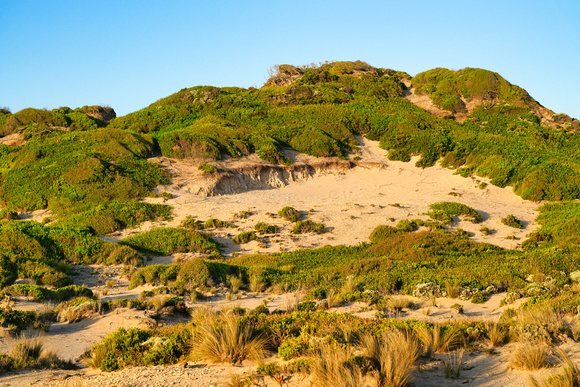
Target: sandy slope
pixel 350 203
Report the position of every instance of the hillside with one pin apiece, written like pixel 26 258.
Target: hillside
pixel 334 202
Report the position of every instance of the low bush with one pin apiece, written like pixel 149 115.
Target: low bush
pixel 119 349
pixel 265 228
pixel 215 223
pixel 478 298
pixel 17 320
pixel 290 214
pixel 193 224
pixel 306 226
pixel 444 211
pixel 40 294
pixel 245 237
pixel 77 309
pixel 405 225
pixel 512 221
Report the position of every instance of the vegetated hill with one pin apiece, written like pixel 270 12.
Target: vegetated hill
pixel 74 162
pixel 319 110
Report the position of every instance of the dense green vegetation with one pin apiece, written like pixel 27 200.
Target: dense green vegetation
pixel 447 87
pixel 41 123
pixel 42 253
pixel 92 177
pixel 168 240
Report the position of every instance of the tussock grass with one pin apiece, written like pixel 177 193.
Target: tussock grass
pixel 332 298
pixel 235 283
pixel 256 284
pixel 350 285
pixel 226 339
pixel 452 288
pixel 453 364
pixel 331 369
pixel 397 304
pixel 26 351
pixel 529 355
pixel 569 377
pixel 392 356
pixel 439 339
pixel 497 333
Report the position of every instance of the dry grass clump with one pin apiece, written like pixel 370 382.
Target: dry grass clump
pixel 397 304
pixel 75 312
pixel 235 283
pixel 452 288
pixel 536 323
pixel 439 339
pixel 26 351
pixel 393 356
pixel 350 286
pixel 497 333
pixel 332 298
pixel 256 285
pixel 569 378
pixel 30 353
pixel 97 355
pixel 529 355
pixel 332 370
pixel 453 364
pixel 226 339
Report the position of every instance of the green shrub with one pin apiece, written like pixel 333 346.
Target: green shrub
pixel 290 214
pixel 443 212
pixel 193 224
pixel 405 225
pixel 478 298
pixel 305 226
pixel 40 294
pixel 120 349
pixel 215 223
pixel 382 232
pixel 245 237
pixel 292 348
pixel 512 221
pixel 17 320
pixel 265 228
pixel 207 169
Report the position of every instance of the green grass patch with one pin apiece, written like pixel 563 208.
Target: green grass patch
pixel 168 240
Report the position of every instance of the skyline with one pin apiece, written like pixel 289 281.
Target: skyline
pixel 128 55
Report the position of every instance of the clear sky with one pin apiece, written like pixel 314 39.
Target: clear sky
pixel 129 53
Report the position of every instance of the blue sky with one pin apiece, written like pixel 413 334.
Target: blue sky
pixel 128 54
